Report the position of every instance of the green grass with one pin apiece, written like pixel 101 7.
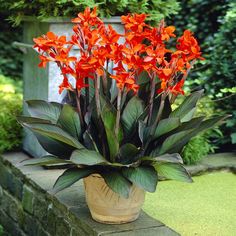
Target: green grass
pixel 205 208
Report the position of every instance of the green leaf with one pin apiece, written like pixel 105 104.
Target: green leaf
pixel 189 115
pixel 143 131
pixel 69 121
pixel 188 104
pixel 87 157
pixel 166 125
pixel 31 120
pixel 70 176
pixel 109 119
pixel 117 182
pixel 44 110
pixel 176 140
pixel 172 158
pixel 55 147
pixel 54 132
pixel 46 160
pixel 131 113
pixel 128 153
pixel 194 123
pixel 144 177
pixel 173 171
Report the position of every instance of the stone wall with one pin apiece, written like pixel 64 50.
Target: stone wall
pixel 27 207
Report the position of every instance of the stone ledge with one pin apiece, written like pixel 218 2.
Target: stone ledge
pixel 214 162
pixel 27 206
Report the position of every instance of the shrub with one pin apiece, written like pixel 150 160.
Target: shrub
pixel 11 106
pixel 157 9
pixel 11 59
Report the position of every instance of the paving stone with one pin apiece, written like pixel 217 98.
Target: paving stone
pixel 83 215
pixel 72 196
pixel 155 231
pixel 219 161
pixel 28 199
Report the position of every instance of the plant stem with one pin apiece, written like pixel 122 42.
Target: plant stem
pixel 86 94
pixel 151 98
pixel 79 108
pixel 97 99
pixel 119 96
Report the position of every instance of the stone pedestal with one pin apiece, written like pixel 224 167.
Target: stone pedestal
pixel 43 83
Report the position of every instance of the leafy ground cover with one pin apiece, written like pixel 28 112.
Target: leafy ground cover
pixel 206 207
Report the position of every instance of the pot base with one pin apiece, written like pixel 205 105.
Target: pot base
pixel 113 220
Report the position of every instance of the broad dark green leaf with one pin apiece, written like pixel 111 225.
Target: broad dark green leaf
pixel 172 158
pixel 70 176
pixel 189 115
pixel 128 153
pixel 192 124
pixel 55 147
pixel 69 121
pixel 54 132
pixel 44 110
pixel 173 171
pixel 87 157
pixel 46 160
pixel 131 113
pixel 89 143
pixel 188 104
pixel 175 142
pixel 109 119
pixel 31 120
pixel 166 125
pixel 117 182
pixel 144 177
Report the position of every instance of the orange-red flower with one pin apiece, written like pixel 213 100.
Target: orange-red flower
pixel 143 49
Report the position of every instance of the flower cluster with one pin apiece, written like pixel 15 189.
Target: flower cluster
pixel 144 49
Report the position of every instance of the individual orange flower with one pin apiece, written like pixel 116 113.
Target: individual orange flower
pixel 65 85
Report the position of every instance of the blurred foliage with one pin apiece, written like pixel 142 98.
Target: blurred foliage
pixel 157 9
pixel 10 57
pixel 214 24
pixel 10 107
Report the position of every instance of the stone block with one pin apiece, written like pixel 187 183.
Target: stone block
pixel 62 227
pixel 40 209
pixel 28 199
pixel 1 194
pixel 10 225
pixel 30 225
pixel 51 220
pixel 9 181
pixel 12 206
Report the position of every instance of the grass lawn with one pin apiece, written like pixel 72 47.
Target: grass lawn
pixel 206 208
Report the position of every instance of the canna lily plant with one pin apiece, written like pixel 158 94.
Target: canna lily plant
pixel 118 123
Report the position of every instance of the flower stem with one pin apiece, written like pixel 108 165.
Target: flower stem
pixel 79 108
pixel 151 98
pixel 119 96
pixel 97 99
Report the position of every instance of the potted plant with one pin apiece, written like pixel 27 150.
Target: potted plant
pixel 117 130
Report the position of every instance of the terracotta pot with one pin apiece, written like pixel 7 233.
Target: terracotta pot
pixel 109 207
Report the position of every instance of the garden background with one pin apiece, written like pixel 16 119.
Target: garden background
pixel 212 21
